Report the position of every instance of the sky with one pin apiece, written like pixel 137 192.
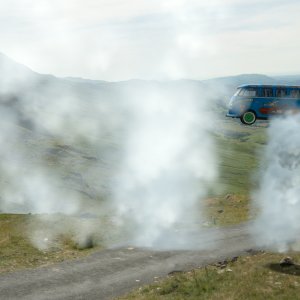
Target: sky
pixel 152 39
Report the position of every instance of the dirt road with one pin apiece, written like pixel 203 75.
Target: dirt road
pixel 111 273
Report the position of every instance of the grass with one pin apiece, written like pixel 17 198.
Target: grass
pixel 239 148
pixel 228 210
pixel 17 251
pixel 258 276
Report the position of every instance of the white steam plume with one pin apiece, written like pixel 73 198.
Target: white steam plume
pixel 278 197
pixel 83 128
pixel 56 146
pixel 168 165
pixel 169 156
pixel 64 142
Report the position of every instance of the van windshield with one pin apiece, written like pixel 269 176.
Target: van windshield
pixel 237 92
pixel 247 92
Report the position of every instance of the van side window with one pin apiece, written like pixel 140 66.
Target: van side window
pixel 295 94
pixel 267 92
pixel 248 92
pixel 281 92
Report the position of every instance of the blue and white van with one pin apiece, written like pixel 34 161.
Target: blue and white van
pixel 260 102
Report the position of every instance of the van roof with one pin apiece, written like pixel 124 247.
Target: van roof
pixel 270 86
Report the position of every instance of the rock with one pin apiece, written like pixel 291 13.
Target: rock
pixel 234 259
pixel 222 264
pixel 254 252
pixel 175 272
pixel 287 262
pixel 85 243
pixel 229 197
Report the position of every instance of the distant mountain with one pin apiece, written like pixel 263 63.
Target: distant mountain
pixel 14 75
pixel 9 66
pixel 243 79
pixel 21 89
pixel 288 79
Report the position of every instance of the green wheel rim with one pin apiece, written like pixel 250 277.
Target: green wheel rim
pixel 249 117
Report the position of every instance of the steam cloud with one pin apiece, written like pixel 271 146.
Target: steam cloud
pixel 140 152
pixel 167 167
pixel 56 146
pixel 143 154
pixel 278 198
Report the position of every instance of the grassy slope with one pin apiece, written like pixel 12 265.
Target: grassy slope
pixel 239 149
pixel 17 252
pixel 252 277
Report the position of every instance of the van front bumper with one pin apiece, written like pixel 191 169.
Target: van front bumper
pixel 232 115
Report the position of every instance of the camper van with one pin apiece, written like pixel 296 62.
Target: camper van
pixel 260 102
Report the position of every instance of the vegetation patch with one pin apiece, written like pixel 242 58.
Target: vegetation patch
pixel 239 160
pixel 228 210
pixel 17 251
pixel 239 156
pixel 257 276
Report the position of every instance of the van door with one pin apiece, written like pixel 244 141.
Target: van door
pixel 266 104
pixel 286 102
pixel 293 100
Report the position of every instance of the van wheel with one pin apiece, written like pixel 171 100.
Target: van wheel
pixel 248 118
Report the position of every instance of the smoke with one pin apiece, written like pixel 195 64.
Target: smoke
pixel 168 165
pixel 141 152
pixel 278 196
pixel 57 150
